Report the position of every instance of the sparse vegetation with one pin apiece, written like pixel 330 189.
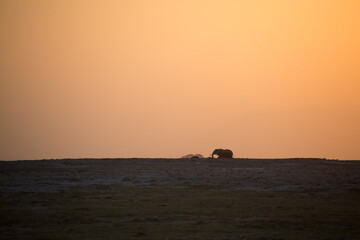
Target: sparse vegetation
pixel 218 210
pixel 199 212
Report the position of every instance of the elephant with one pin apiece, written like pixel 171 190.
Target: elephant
pixel 222 153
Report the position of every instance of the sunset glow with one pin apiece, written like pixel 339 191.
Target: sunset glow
pixel 81 78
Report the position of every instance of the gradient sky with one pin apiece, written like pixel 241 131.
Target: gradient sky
pixel 148 78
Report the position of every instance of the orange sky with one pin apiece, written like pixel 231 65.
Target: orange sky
pixel 145 78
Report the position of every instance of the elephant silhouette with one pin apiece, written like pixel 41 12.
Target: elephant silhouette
pixel 222 153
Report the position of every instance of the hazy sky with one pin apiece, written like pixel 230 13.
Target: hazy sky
pixel 265 78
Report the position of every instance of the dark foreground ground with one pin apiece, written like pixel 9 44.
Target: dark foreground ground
pixel 180 199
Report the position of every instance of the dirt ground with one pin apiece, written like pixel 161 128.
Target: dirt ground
pixel 180 199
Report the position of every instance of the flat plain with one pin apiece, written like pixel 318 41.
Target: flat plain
pixel 180 199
